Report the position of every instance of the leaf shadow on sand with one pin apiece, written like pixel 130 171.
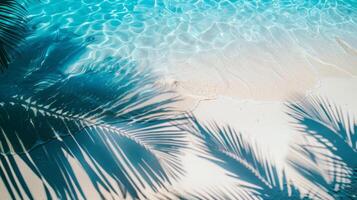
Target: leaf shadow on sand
pixel 242 159
pixel 331 136
pixel 109 119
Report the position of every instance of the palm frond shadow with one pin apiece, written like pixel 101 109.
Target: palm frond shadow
pixel 243 160
pixel 113 120
pixel 210 193
pixel 13 27
pixel 335 132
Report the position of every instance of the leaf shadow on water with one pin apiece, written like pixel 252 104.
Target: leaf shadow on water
pixel 334 133
pixel 13 27
pixel 110 118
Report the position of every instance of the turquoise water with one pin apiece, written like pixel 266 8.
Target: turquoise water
pixel 105 132
pixel 152 31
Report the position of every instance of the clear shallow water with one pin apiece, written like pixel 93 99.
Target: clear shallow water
pixel 267 45
pixel 151 32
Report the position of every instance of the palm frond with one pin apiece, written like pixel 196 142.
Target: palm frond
pixel 12 29
pixel 112 119
pixel 335 130
pixel 227 148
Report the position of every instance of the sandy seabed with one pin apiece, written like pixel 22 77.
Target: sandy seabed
pixel 246 85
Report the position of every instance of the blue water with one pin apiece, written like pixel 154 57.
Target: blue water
pixel 107 127
pixel 150 31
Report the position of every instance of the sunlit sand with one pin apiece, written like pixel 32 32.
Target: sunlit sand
pixel 235 64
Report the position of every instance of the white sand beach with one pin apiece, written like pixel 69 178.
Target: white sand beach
pixel 247 86
pixel 237 66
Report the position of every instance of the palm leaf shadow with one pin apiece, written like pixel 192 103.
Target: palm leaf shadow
pixel 335 131
pixel 113 120
pixel 243 160
pixel 12 29
pixel 210 193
